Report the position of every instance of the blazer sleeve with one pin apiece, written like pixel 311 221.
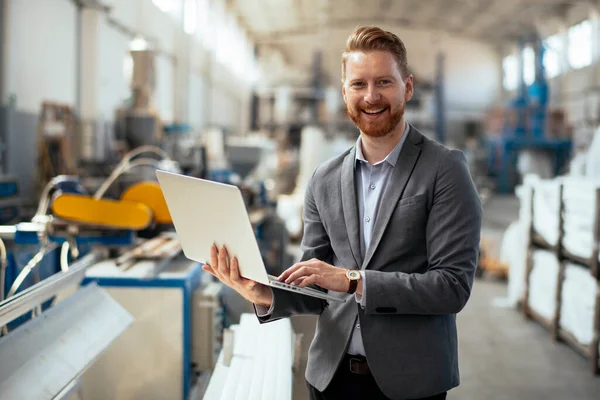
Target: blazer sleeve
pixel 315 244
pixel 452 234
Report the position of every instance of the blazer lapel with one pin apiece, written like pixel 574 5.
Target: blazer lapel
pixel 350 206
pixel 406 161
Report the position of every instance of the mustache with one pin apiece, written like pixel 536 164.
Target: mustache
pixel 373 106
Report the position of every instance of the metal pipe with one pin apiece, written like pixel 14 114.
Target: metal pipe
pixel 7 232
pixel 29 298
pixel 3 265
pixel 78 52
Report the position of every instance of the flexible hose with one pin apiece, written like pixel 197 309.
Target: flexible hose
pixel 146 149
pixel 120 170
pixel 35 260
pixel 64 256
pixel 45 197
pixel 127 164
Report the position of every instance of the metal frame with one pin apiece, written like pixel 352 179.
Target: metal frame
pixel 49 354
pixel 187 284
pixel 536 242
pixel 22 302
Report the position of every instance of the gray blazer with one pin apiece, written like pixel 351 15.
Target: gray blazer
pixel 419 268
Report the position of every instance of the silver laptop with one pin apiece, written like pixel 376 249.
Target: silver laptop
pixel 206 212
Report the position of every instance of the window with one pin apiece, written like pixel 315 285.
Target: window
pixel 204 18
pixel 554 49
pixel 528 65
pixel 511 72
pixel 580 45
pixel 190 17
pixel 172 7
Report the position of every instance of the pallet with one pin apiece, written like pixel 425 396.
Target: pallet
pixel 535 241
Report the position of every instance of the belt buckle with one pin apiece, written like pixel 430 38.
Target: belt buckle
pixel 355 366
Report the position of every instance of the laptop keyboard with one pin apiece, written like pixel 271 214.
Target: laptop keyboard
pixel 275 282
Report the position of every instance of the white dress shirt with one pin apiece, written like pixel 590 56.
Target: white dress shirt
pixel 371 181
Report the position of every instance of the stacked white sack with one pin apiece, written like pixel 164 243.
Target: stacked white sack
pixel 542 283
pixel 545 207
pixel 577 308
pixel 513 252
pixel 579 210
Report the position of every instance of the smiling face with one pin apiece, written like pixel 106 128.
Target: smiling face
pixel 375 92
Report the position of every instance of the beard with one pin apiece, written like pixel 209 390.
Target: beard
pixel 377 128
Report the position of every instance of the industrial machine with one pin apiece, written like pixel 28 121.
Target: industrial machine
pixel 525 126
pixel 120 253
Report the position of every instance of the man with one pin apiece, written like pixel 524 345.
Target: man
pixel 392 225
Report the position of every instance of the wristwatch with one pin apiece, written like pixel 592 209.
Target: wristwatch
pixel 353 276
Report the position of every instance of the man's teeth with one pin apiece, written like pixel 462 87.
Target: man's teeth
pixel 374 111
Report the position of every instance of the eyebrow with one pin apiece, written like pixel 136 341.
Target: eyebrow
pixel 385 77
pixel 377 78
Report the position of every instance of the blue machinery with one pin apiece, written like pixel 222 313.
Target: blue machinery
pixel 26 239
pixel 528 129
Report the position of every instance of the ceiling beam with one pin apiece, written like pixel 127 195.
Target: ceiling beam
pixel 299 11
pixel 426 10
pixel 384 8
pixel 350 23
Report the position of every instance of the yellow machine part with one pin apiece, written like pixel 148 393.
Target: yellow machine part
pixel 150 194
pixel 118 214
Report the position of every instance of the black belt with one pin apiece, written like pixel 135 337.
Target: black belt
pixel 357 364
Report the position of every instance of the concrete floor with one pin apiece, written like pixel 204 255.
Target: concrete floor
pixel 502 356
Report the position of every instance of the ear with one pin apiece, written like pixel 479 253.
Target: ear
pixel 344 93
pixel 410 89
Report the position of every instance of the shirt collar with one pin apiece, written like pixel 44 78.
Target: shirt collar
pixel 391 158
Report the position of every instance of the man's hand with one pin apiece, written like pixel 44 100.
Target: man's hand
pixel 228 272
pixel 316 272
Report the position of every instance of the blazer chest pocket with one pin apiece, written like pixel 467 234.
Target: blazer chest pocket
pixel 410 217
pixel 413 200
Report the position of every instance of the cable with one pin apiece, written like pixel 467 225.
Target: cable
pixel 35 260
pixel 64 257
pixel 127 164
pixel 146 149
pixel 120 170
pixel 45 197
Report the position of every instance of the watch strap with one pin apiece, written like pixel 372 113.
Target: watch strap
pixel 353 285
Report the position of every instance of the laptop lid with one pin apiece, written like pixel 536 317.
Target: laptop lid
pixel 206 212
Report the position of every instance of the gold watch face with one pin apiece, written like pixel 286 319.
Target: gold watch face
pixel 353 275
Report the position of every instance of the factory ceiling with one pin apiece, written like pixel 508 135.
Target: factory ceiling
pixel 493 21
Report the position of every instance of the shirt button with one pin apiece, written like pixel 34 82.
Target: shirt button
pixel 372 187
pixel 357 326
pixel 368 219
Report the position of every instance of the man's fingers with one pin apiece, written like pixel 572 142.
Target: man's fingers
pixel 209 269
pixel 308 280
pixel 286 274
pixel 223 262
pixel 300 272
pixel 234 271
pixel 214 252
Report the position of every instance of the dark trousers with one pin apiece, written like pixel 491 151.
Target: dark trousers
pixel 347 385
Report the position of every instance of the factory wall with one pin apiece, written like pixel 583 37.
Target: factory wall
pixel 575 91
pixel 41 57
pixel 471 87
pixel 40 62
